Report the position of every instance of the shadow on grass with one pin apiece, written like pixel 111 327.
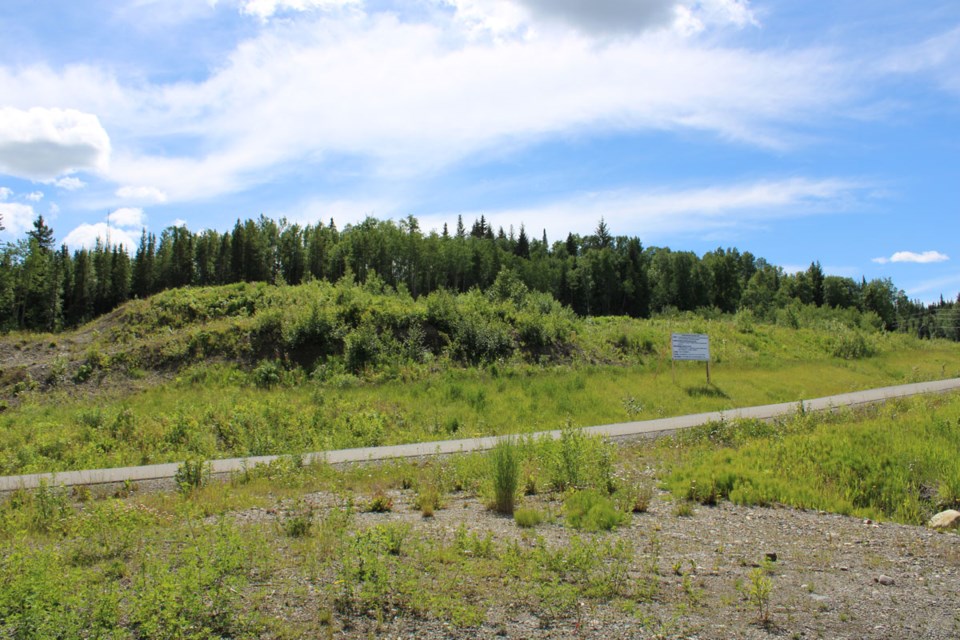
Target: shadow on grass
pixel 706 391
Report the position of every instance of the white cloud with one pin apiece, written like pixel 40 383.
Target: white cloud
pixel 142 194
pixel 926 257
pixel 5 193
pixel 411 99
pixel 41 143
pixel 264 9
pixel 35 196
pixel 178 222
pixel 128 218
pixel 69 183
pixel 17 217
pixel 937 57
pixel 656 214
pixel 86 236
pixel 930 289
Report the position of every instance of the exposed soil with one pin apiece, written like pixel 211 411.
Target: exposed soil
pixel 833 576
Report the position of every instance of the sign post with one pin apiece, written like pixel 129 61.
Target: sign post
pixel 691 346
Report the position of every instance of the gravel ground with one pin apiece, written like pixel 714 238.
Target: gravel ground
pixel 833 576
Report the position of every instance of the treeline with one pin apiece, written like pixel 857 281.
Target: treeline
pixel 45 288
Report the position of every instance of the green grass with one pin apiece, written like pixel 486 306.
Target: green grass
pixel 892 462
pixel 179 564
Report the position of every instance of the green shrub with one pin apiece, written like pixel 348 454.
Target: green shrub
pixel 592 511
pixel 850 345
pixel 268 373
pixel 527 517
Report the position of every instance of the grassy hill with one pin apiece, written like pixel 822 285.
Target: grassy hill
pixel 253 369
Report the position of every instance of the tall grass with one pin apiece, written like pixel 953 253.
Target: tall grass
pixel 505 469
pixel 897 461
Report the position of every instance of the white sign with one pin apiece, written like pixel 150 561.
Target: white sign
pixel 690 346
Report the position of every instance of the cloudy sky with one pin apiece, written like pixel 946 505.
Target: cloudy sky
pixel 798 130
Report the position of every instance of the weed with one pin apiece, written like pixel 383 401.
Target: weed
pixel 634 496
pixel 380 503
pixel 298 522
pixel 192 474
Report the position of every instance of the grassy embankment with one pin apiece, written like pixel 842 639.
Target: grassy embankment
pixel 252 370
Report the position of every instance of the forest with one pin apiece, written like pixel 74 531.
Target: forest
pixel 46 288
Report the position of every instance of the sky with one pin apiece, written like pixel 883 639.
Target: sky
pixel 798 130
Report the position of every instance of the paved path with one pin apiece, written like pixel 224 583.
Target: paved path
pixel 646 428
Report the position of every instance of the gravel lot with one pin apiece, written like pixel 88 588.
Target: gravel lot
pixel 833 577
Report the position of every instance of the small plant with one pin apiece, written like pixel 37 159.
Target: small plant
pixel 192 474
pixel 635 496
pixel 505 463
pixel 759 592
pixel 298 523
pixel 683 509
pixel 527 518
pixel 632 406
pixel 428 498
pixel 380 503
pixel 592 511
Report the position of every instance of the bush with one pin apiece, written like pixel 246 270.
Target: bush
pixel 527 517
pixel 592 511
pixel 850 345
pixel 268 374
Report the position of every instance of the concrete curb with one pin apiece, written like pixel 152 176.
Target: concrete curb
pixel 623 430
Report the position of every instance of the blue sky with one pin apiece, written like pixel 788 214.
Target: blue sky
pixel 796 130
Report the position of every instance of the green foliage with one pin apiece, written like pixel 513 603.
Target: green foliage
pixel 759 592
pixel 527 518
pixel 850 345
pixel 505 470
pixel 851 464
pixel 576 460
pixel 298 522
pixel 192 474
pixel 592 511
pixel 195 592
pixel 634 496
pixel 268 374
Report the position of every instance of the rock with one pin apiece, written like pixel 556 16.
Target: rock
pixel 771 556
pixel 884 580
pixel 948 519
